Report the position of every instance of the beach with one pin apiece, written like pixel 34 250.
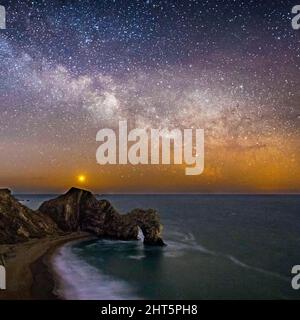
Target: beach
pixel 218 246
pixel 29 274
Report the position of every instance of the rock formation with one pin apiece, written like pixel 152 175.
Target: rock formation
pixel 77 210
pixel 80 210
pixel 18 223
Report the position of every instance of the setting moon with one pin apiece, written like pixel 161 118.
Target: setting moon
pixel 81 178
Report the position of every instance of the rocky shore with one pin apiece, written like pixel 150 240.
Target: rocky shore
pixel 28 238
pixel 77 210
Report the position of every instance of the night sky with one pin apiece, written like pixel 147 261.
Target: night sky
pixel 70 68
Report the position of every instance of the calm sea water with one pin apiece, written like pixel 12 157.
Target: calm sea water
pixel 219 247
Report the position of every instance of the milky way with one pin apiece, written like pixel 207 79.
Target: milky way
pixel 71 68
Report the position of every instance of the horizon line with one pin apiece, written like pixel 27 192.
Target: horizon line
pixel 165 193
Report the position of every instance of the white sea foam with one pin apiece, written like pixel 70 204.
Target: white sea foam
pixel 80 281
pixel 260 270
pixel 137 257
pixel 141 235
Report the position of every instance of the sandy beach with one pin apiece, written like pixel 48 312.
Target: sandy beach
pixel 28 268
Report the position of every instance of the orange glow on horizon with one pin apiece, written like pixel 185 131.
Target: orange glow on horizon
pixel 272 167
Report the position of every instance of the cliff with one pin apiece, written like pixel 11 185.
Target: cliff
pixel 18 223
pixel 77 210
pixel 80 210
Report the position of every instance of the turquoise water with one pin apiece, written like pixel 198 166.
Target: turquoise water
pixel 219 247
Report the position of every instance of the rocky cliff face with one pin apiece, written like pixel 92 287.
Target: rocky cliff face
pixel 74 211
pixel 18 223
pixel 80 210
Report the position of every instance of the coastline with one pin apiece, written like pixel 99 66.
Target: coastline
pixel 30 275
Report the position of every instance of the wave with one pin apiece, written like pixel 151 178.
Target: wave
pixel 186 241
pixel 260 270
pixel 77 280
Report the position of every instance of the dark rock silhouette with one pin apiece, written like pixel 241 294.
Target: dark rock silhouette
pixel 80 210
pixel 19 223
pixel 77 210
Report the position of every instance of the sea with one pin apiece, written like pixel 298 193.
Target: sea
pixel 218 247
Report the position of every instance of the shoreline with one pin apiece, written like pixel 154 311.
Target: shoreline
pixel 30 275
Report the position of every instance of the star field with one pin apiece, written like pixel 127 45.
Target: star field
pixel 70 68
